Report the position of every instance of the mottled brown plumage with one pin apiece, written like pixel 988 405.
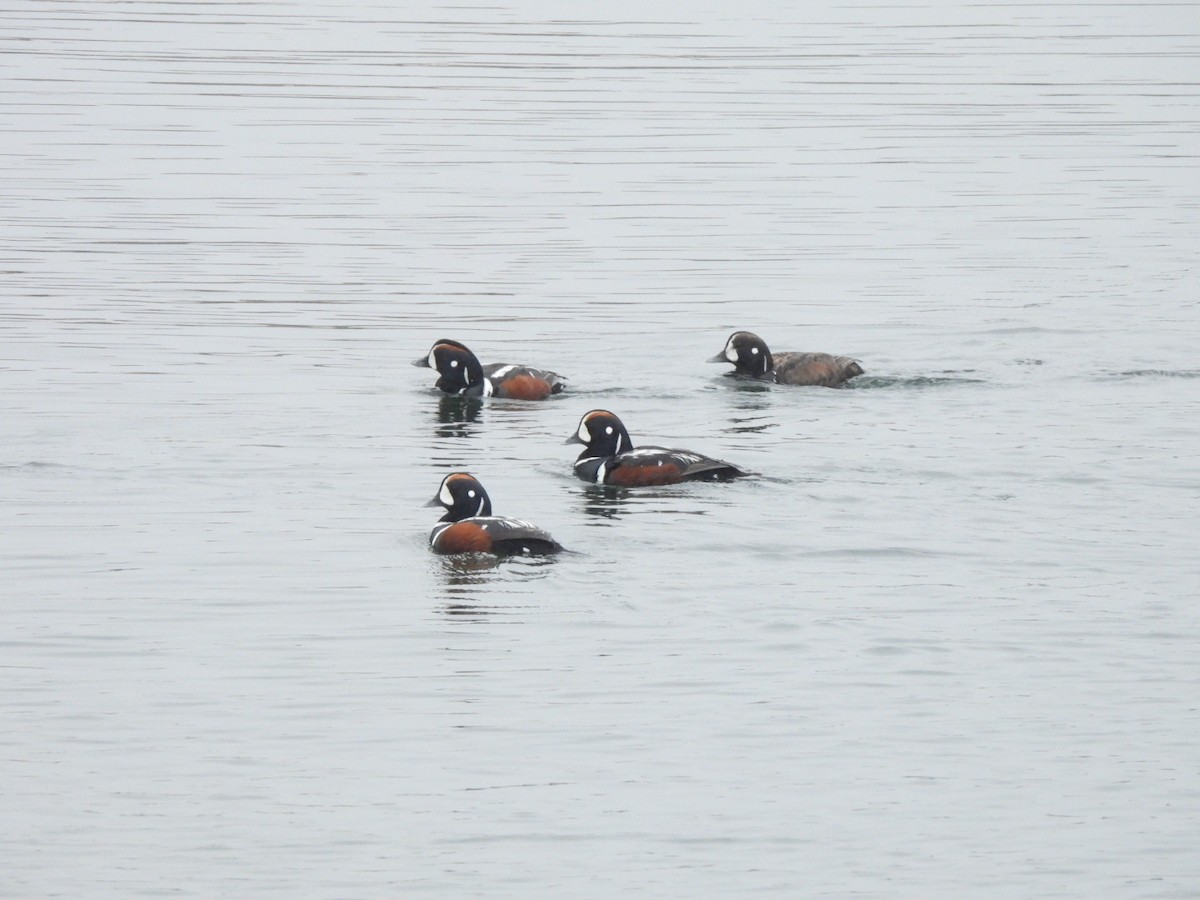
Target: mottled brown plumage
pixel 752 359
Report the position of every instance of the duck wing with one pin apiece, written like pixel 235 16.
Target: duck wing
pixel 647 466
pixel 818 369
pixel 493 534
pixel 523 382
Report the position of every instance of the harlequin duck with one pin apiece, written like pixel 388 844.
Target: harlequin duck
pixel 469 526
pixel 610 458
pixel 751 359
pixel 460 372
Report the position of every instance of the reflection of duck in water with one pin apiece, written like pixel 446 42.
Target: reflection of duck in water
pixel 608 503
pixel 751 359
pixel 469 526
pixel 456 414
pixel 460 372
pixel 610 458
pixel 604 502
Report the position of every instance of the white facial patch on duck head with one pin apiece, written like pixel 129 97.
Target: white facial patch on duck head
pixel 584 434
pixel 482 503
pixel 731 353
pixel 444 496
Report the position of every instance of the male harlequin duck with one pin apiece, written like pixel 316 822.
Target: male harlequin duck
pixel 609 457
pixel 751 359
pixel 469 526
pixel 460 372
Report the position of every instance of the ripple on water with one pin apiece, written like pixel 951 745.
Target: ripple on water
pixel 1151 373
pixel 910 382
pixel 948 589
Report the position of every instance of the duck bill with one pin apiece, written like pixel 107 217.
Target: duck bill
pixel 573 439
pixel 434 502
pixel 720 357
pixel 423 362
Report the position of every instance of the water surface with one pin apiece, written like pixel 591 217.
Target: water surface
pixel 943 644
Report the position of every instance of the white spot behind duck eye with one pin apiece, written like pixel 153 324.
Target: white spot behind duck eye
pixel 608 430
pixel 454 362
pixel 471 493
pixel 754 350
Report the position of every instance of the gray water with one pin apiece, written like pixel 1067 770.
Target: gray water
pixel 944 643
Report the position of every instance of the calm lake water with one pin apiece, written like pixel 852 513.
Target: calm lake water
pixel 944 644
